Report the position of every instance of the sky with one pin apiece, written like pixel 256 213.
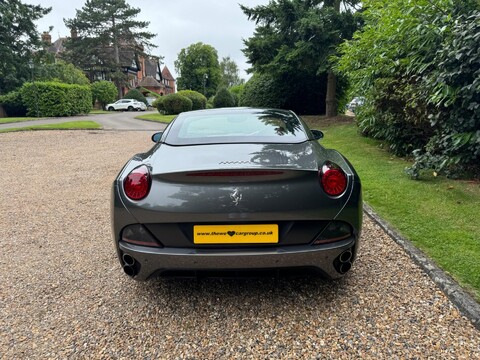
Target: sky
pixel 177 23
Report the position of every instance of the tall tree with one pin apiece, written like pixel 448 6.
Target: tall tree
pixel 230 75
pixel 294 39
pixel 19 40
pixel 198 69
pixel 102 31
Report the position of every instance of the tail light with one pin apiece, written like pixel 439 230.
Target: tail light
pixel 333 179
pixel 137 183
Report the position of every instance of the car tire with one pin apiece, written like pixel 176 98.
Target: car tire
pixel 110 108
pixel 130 108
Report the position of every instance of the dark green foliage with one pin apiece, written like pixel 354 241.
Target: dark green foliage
pixel 265 90
pixel 56 99
pixel 262 91
pixel 417 65
pixel 13 105
pixel 175 104
pixel 60 71
pixel 198 69
pixel 229 70
pixel 237 92
pixel 454 86
pixel 158 104
pixel 104 92
pixel 19 42
pixel 223 98
pixel 137 95
pixel 199 101
pixel 292 44
pixel 388 115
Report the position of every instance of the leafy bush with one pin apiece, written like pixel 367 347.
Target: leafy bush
pixel 223 98
pixel 61 71
pixel 454 88
pixel 287 92
pixel 13 105
pixel 137 95
pixel 414 64
pixel 175 104
pixel 387 115
pixel 237 92
pixel 199 101
pixel 104 92
pixel 261 91
pixel 158 104
pixel 56 99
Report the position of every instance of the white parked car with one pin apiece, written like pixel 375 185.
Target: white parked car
pixel 356 102
pixel 127 104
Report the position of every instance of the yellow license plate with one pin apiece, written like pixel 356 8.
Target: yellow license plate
pixel 235 234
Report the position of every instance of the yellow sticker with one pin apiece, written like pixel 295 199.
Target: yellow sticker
pixel 235 234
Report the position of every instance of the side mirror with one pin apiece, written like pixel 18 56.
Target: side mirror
pixel 317 134
pixel 157 136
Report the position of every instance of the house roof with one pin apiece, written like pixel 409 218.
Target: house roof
pixel 166 74
pixel 150 81
pixel 57 46
pixel 152 67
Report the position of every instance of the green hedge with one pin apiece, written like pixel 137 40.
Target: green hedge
pixel 56 99
pixel 13 105
pixel 199 101
pixel 173 104
pixel 104 92
pixel 137 95
pixel 223 98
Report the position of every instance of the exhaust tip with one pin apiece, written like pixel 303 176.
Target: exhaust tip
pixel 343 262
pixel 129 270
pixel 345 257
pixel 128 260
pixel 345 267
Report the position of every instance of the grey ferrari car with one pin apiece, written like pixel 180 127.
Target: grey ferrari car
pixel 236 190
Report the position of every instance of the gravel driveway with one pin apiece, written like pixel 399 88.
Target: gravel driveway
pixel 64 295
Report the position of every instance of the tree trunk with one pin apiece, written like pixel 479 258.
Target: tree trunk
pixel 331 98
pixel 116 54
pixel 331 101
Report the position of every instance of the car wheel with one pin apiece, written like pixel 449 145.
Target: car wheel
pixel 130 108
pixel 111 108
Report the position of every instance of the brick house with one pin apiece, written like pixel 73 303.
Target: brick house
pixel 141 71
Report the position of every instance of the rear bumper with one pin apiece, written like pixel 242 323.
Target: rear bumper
pixel 151 261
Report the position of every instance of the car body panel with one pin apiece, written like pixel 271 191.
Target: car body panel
pixel 205 184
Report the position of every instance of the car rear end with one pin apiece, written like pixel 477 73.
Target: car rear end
pixel 237 207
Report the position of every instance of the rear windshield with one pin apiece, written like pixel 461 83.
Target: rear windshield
pixel 241 126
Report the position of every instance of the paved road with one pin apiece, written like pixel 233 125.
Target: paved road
pixel 111 121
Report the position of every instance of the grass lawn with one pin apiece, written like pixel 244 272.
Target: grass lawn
pixel 71 125
pixel 440 216
pixel 9 120
pixel 156 117
pixel 96 111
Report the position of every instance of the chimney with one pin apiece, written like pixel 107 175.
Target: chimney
pixel 47 38
pixel 73 33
